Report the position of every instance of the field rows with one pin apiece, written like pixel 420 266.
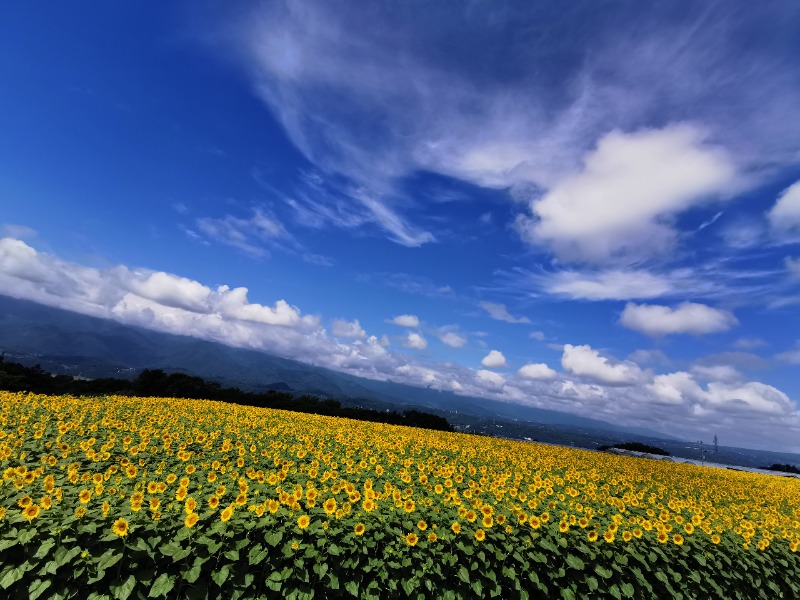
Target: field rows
pixel 205 499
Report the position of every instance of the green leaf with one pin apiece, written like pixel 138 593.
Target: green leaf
pixel 193 573
pixel 6 544
pixel 162 586
pixel 26 535
pixel 603 572
pixel 122 589
pixel 10 576
pixel 232 555
pixel 221 576
pixel 37 588
pixel 567 594
pixel 463 574
pixel 477 587
pixel 574 562
pixel 257 554
pixel 614 591
pixel 44 548
pixel 352 587
pixel 274 538
pixel 627 589
pixel 108 559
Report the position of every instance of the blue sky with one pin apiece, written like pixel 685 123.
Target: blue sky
pixel 594 209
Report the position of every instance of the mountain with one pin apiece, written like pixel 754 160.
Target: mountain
pixel 70 343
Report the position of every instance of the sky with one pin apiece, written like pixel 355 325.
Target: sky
pixel 591 207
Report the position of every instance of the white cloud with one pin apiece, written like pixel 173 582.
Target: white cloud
pixel 384 341
pixel 749 343
pixel 539 336
pixel 248 235
pixel 689 317
pixel 586 362
pixel 406 321
pixel 171 290
pixel 724 373
pixel 499 312
pixel 606 285
pixel 345 329
pixel 793 266
pixel 790 356
pixel 784 216
pixel 649 357
pixel 453 340
pixel 494 360
pixel 489 377
pixel 414 340
pixel 20 232
pixel 617 206
pixel 537 371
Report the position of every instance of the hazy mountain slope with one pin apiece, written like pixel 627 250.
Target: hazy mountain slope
pixel 66 342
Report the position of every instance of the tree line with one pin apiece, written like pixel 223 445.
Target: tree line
pixel 15 377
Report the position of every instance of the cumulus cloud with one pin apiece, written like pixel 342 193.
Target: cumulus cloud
pixel 453 340
pixel 494 360
pixel 727 397
pixel 784 216
pixel 689 317
pixel 499 312
pixel 489 377
pixel 345 329
pixel 537 371
pixel 583 361
pixel 414 340
pixel 406 321
pixel 619 203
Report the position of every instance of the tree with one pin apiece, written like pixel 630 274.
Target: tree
pixel 716 445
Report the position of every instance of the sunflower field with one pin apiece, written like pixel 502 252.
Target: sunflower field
pixel 119 497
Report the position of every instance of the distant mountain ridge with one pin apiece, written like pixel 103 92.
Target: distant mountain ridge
pixel 70 343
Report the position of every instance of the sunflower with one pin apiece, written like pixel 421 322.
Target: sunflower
pixel 411 539
pixel 329 506
pixel 715 539
pixel 152 487
pixel 534 522
pixel 227 513
pixel 592 536
pixel 120 527
pixel 608 536
pixel 359 529
pixel 303 521
pixel 24 502
pixel 678 539
pixel 422 525
pixel 662 538
pixel 480 535
pixel 190 505
pixel 409 506
pixel 191 520
pixel 432 537
pixel 31 512
pixel 456 527
pixel 626 536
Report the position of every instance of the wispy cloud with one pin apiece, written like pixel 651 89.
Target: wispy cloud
pixel 393 106
pixel 499 312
